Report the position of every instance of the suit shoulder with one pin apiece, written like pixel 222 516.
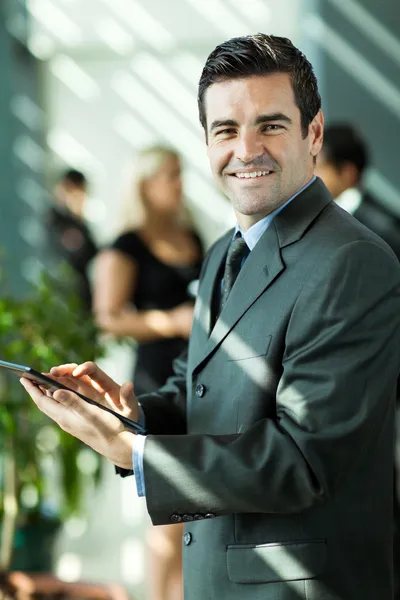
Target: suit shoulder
pixel 339 228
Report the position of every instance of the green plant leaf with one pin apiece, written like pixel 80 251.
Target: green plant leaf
pixel 48 327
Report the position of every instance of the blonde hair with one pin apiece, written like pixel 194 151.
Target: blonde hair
pixel 148 162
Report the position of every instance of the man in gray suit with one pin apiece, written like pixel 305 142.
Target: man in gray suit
pixel 273 442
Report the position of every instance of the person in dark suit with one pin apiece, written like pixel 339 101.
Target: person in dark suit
pixel 273 440
pixel 69 237
pixel 341 166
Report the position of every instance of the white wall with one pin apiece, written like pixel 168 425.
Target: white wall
pixel 123 105
pixel 122 74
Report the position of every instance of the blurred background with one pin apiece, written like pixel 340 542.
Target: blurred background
pixel 85 85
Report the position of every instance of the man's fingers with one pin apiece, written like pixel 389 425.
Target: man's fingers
pixel 83 386
pixel 47 404
pixel 127 396
pixel 69 371
pixel 63 370
pixel 128 401
pixel 66 371
pixel 89 423
pixel 88 412
pixel 70 400
pixel 98 376
pixel 58 407
pixel 88 379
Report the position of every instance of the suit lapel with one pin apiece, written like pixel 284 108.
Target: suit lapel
pixel 262 267
pixel 204 302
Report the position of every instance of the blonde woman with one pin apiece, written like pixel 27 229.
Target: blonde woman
pixel 141 290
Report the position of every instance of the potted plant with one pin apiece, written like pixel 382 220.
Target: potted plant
pixel 46 328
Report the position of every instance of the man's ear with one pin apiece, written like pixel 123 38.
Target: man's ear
pixel 316 133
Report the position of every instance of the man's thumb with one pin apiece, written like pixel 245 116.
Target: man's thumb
pixel 127 396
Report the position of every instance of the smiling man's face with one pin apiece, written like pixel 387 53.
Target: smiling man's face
pixel 256 148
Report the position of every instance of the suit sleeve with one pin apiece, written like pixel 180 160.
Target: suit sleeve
pixel 336 391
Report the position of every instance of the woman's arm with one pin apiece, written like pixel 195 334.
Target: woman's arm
pixel 114 288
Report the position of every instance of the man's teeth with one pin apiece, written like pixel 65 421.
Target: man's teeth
pixel 252 175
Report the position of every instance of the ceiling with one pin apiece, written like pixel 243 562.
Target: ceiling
pixel 123 26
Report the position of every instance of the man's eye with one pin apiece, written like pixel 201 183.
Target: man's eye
pixel 227 131
pixel 272 127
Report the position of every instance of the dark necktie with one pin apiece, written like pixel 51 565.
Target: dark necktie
pixel 236 252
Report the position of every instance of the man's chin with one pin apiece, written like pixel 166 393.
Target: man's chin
pixel 250 207
pixel 254 201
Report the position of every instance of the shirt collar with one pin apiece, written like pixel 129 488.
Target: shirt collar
pixel 254 233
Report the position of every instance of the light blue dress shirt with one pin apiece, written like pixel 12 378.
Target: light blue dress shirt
pixel 251 237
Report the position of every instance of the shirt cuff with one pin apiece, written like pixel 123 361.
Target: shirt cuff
pixel 138 467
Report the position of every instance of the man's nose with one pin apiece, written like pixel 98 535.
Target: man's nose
pixel 249 146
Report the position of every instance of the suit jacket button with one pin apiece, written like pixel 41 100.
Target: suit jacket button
pixel 176 518
pixel 187 518
pixel 209 516
pixel 200 390
pixel 198 517
pixel 187 538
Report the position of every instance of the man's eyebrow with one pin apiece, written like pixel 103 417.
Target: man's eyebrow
pixel 223 123
pixel 259 121
pixel 273 117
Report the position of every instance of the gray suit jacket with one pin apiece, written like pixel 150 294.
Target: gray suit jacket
pixel 274 439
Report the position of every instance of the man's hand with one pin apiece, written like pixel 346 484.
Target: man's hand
pixel 93 426
pixel 97 385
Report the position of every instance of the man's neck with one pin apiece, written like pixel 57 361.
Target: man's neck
pixel 247 221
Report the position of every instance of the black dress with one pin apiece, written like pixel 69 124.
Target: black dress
pixel 159 286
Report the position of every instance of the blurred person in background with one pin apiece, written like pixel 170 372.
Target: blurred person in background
pixel 141 291
pixel 341 165
pixel 68 236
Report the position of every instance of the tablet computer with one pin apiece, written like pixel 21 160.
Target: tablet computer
pixel 51 384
